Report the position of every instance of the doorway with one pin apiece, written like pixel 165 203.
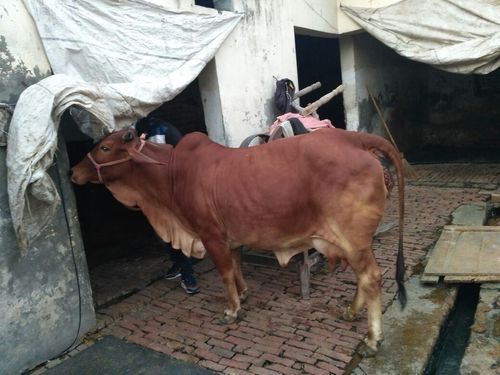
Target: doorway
pixel 318 59
pixel 123 252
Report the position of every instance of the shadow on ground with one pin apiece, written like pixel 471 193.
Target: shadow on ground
pixel 114 356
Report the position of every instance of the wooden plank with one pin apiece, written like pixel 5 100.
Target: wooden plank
pixel 466 254
pixel 429 279
pixel 472 279
pixel 472 228
pixel 489 255
pixel 495 198
pixel 440 253
pixel 463 257
pixel 475 253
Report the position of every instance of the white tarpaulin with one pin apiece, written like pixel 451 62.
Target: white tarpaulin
pixel 459 36
pixel 118 60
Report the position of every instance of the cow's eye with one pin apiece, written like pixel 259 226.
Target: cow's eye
pixel 104 148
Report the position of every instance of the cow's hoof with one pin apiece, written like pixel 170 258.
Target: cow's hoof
pixel 227 319
pixel 230 318
pixel 349 315
pixel 244 295
pixel 368 350
pixel 241 315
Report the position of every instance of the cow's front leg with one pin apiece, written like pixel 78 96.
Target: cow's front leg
pixel 369 292
pixel 221 255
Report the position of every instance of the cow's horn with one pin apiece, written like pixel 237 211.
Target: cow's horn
pixel 128 136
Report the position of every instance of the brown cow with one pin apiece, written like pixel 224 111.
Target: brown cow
pixel 323 190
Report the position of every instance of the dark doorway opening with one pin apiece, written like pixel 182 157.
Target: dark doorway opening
pixel 318 59
pixel 205 3
pixel 123 252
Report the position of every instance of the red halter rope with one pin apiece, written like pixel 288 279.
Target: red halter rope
pixel 98 166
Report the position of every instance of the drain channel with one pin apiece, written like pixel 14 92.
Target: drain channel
pixel 455 332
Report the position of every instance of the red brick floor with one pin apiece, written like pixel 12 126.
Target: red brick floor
pixel 281 333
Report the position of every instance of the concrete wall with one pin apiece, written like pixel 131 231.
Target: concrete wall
pixel 46 303
pixel 397 83
pixel 461 111
pixel 318 16
pixel 261 46
pixel 426 108
pixel 46 298
pixel 238 86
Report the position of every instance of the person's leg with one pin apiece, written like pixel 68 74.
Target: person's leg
pixel 181 266
pixel 175 270
pixel 188 283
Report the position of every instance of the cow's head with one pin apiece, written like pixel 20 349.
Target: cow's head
pixel 109 159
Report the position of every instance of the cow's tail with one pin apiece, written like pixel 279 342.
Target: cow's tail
pixel 372 142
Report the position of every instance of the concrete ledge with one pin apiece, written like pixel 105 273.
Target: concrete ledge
pixel 410 334
pixel 469 214
pixel 483 353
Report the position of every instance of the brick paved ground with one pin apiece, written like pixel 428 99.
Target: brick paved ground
pixel 281 333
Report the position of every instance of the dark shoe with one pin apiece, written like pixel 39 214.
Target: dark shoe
pixel 173 273
pixel 190 286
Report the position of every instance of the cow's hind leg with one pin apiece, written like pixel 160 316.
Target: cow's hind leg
pixel 241 285
pixel 223 260
pixel 369 292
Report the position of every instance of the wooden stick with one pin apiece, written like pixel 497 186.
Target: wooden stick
pixel 301 110
pixel 382 119
pixel 298 107
pixel 321 101
pixel 307 90
pixel 408 171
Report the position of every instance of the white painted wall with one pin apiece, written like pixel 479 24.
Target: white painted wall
pixel 261 46
pixel 358 66
pixel 398 84
pixel 347 62
pixel 315 15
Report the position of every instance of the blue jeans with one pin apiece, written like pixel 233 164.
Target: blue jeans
pixel 178 258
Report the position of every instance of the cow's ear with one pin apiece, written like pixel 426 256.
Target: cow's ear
pixel 128 136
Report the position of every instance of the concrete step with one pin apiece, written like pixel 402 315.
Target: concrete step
pixel 483 353
pixel 411 333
